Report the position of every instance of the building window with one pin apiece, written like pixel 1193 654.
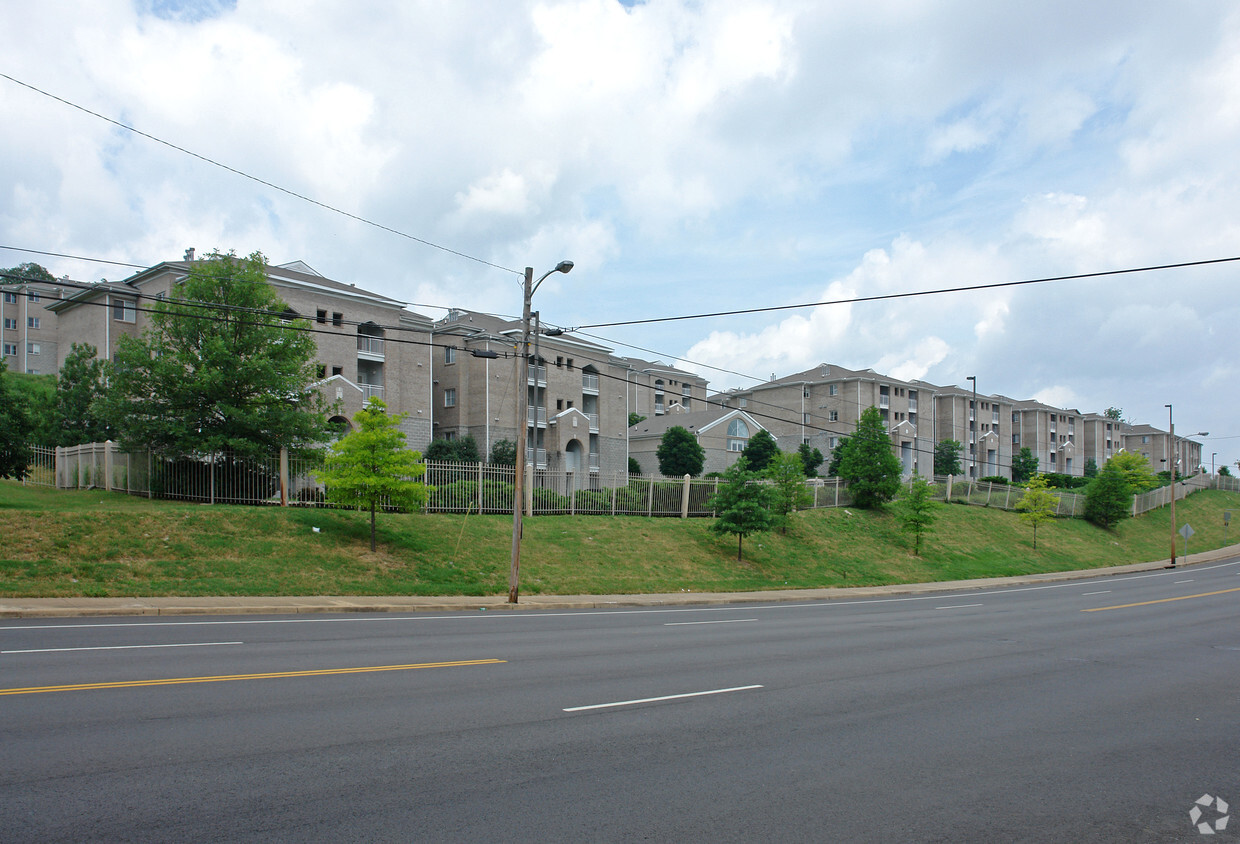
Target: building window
pixel 32 322
pixel 337 319
pixel 320 316
pixel 32 295
pixel 833 416
pixel 10 298
pixel 337 370
pixel 449 397
pixel 33 349
pixel 569 363
pixel 124 311
pixel 10 323
pixel 449 354
pixel 742 402
pixel 10 349
pixel 738 435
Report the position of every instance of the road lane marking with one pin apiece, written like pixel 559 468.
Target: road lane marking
pixel 1102 592
pixel 657 699
pixel 225 678
pixel 1182 581
pixel 724 621
pixel 120 648
pixel 1162 600
pixel 957 606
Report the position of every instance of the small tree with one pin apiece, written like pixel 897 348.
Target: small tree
pixel 1135 469
pixel 837 457
pixel 760 450
pixel 1108 500
pixel 811 459
pixel 788 491
pixel 742 504
pixel 634 418
pixel 1224 471
pixel 1091 468
pixel 1037 505
pixel 440 450
pixel 947 457
pixel 1024 465
pixel 14 430
pixel 915 510
pixel 867 464
pixel 504 453
pixel 80 384
pixel 370 467
pixel 1113 413
pixel 680 453
pixel 635 468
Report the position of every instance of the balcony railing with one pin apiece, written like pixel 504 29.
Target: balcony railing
pixel 589 382
pixel 541 462
pixel 539 371
pixel 595 463
pixel 593 417
pixel 912 405
pixel 658 407
pixel 884 402
pixel 371 391
pixel 542 416
pixel 370 346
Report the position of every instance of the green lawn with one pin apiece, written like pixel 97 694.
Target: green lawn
pixel 89 543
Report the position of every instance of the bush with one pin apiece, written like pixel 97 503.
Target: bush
pixel 1058 480
pixel 994 479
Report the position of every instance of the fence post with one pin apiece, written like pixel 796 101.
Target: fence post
pixel 529 489
pixel 570 482
pixel 107 466
pixel 684 499
pixel 837 492
pixel 283 476
pixel 613 500
pixel 948 496
pixel 480 476
pixel 650 498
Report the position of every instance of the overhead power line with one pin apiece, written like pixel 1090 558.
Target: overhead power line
pixel 890 296
pixel 263 182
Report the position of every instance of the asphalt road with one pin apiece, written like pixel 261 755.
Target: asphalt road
pixel 1094 710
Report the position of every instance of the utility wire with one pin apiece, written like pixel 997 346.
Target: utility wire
pixel 263 182
pixel 889 296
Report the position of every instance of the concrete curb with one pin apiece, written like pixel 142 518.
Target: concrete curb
pixel 277 605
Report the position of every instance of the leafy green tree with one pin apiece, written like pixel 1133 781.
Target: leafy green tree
pixel 634 418
pixel 80 386
pixel 742 504
pixel 1108 500
pixel 760 450
pixel 27 272
pixel 370 467
pixel 38 394
pixel 1113 413
pixel 680 453
pixel 467 450
pixel 1135 469
pixel 947 457
pixel 635 468
pixel 441 450
pixel 1037 506
pixel 15 429
pixel 504 453
pixel 1224 471
pixel 837 456
pixel 811 459
pixel 867 463
pixel 218 370
pixel 1024 465
pixel 786 473
pixel 916 510
pixel 1091 468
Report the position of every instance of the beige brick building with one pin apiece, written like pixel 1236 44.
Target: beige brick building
pixel 722 433
pixel 29 332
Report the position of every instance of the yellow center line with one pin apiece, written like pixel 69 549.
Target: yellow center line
pixel 1163 600
pixel 226 678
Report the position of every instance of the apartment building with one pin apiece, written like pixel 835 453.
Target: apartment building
pixel 1101 437
pixel 820 405
pixel 1050 433
pixel 29 334
pixel 979 423
pixel 577 408
pixel 655 388
pixel 368 344
pixel 1155 445
pixel 722 432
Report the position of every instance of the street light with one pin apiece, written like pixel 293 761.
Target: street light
pixel 973 431
pixel 1171 466
pixel 518 486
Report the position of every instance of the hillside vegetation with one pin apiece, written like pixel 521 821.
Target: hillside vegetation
pixel 89 543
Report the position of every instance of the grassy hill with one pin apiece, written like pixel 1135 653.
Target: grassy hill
pixel 95 544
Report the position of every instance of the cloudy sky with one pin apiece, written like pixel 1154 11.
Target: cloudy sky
pixel 690 157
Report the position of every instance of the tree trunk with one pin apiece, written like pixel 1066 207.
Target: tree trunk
pixel 372 526
pixel 739 539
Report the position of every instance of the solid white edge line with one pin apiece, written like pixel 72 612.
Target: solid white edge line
pixel 120 648
pixel 1103 592
pixel 657 699
pixel 721 621
pixel 957 606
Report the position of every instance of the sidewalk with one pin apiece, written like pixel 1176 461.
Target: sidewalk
pixel 81 607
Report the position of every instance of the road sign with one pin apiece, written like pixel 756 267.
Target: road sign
pixel 1187 532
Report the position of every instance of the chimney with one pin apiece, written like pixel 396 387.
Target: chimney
pixel 189 254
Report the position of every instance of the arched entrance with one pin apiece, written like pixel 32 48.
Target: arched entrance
pixel 574 464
